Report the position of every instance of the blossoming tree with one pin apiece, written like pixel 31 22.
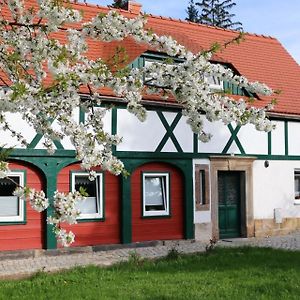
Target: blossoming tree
pixel 41 77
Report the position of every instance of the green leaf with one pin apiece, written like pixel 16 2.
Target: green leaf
pixel 83 192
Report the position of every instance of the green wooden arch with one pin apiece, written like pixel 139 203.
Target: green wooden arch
pixel 183 165
pixel 49 166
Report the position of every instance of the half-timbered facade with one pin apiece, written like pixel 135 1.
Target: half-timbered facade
pixel 242 183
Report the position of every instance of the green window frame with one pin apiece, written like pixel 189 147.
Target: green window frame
pixel 96 201
pixel 20 216
pixel 155 194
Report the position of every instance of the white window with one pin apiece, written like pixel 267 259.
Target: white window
pixel 149 79
pixel 158 79
pixel 214 82
pixel 92 206
pixel 11 207
pixel 156 194
pixel 297 186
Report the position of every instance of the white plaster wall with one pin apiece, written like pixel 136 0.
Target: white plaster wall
pixel 107 122
pixel 294 138
pixel 146 136
pixel 278 143
pixel 252 140
pixel 16 122
pixel 273 187
pixel 184 135
pixel 221 135
pixel 40 144
pixel 139 136
pixel 233 149
pixel 169 146
pixel 200 216
pixel 66 142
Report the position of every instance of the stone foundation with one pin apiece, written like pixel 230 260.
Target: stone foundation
pixel 203 232
pixel 268 227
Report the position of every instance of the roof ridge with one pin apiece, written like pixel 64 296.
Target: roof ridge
pixel 210 26
pixel 92 5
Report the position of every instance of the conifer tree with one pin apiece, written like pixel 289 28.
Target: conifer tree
pixel 123 4
pixel 216 13
pixel 192 12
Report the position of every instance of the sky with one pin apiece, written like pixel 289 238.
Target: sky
pixel 277 18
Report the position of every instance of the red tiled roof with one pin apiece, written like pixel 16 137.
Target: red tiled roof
pixel 258 57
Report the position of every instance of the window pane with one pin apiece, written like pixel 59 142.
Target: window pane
pixel 297 185
pixel 214 81
pixel 202 187
pixel 148 79
pixel 151 79
pixel 88 206
pixel 154 191
pixel 89 186
pixel 91 204
pixel 9 206
pixel 7 186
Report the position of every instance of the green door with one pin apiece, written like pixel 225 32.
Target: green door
pixel 229 190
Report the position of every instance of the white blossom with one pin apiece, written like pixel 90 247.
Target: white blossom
pixel 31 55
pixel 38 200
pixel 92 175
pixel 65 206
pixel 19 192
pixel 64 238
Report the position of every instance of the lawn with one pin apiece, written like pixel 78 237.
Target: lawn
pixel 241 273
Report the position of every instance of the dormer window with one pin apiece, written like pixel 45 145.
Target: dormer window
pixel 148 63
pixel 215 83
pixel 157 80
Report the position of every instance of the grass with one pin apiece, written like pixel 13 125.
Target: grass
pixel 241 273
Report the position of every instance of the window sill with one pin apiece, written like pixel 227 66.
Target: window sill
pixel 86 220
pixel 202 207
pixel 157 217
pixel 6 223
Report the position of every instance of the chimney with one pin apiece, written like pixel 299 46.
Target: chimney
pixel 134 7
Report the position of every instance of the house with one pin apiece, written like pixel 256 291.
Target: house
pixel 243 183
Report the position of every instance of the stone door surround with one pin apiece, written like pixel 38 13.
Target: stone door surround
pixel 233 163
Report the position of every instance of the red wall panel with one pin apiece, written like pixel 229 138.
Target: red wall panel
pixel 159 228
pixel 96 232
pixel 29 235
